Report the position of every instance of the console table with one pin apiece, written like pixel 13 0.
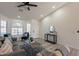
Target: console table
pixel 51 37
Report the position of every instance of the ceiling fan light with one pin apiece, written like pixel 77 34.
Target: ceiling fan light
pixel 28 8
pixel 21 10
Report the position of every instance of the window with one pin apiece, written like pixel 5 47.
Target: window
pixel 17 30
pixel 14 31
pixel 3 27
pixel 28 28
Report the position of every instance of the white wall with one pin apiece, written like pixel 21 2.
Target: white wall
pixel 66 22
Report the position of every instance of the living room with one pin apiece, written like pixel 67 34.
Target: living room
pixel 39 28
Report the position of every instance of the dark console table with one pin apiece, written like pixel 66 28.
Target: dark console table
pixel 51 37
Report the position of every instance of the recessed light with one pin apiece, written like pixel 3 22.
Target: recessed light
pixel 53 6
pixel 42 15
pixel 19 16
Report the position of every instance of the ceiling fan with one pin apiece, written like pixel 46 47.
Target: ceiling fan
pixel 27 4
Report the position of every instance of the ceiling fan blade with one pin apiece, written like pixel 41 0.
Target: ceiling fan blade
pixel 20 5
pixel 32 5
pixel 26 3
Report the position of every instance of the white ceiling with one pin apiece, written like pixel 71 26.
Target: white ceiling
pixel 10 9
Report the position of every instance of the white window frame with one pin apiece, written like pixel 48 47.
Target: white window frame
pixel 3 27
pixel 28 27
pixel 17 30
